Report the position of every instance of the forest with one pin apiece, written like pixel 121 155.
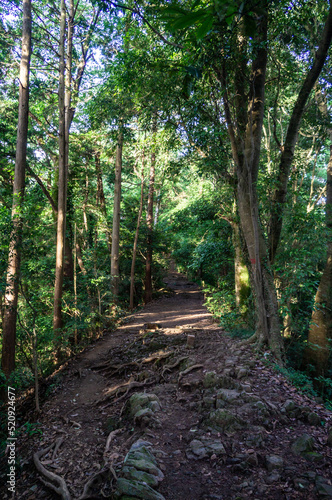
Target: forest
pixel 134 134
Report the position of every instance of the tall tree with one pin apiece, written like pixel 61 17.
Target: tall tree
pixel 149 216
pixel 115 268
pixel 320 332
pixel 14 257
pixel 62 178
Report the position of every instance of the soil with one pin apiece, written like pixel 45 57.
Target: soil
pixel 89 403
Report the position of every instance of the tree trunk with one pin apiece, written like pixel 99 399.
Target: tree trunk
pixel 242 286
pixel 132 271
pixel 115 271
pixel 246 140
pixel 62 182
pixel 102 203
pixel 14 256
pixel 149 219
pixel 320 331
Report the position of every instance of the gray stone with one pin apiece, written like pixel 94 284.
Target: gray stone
pixel 228 395
pixel 329 437
pixel 313 456
pixel 213 446
pixel 139 444
pixel 303 445
pixel 272 478
pixel 241 372
pixel 323 488
pixel 137 489
pixel 210 379
pixel 141 454
pixel 289 406
pixel 198 449
pixel 141 476
pixel 314 419
pixel 142 400
pixel 274 462
pixel 144 466
pixel 225 420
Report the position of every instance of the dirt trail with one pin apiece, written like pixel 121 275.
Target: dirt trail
pixel 227 424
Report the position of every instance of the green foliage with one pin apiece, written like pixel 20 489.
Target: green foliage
pixel 31 429
pixel 298 379
pixel 21 378
pixel 221 303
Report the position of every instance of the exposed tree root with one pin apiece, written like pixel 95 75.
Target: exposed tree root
pixel 188 370
pixel 128 386
pixel 55 482
pixel 157 357
pixel 89 484
pixel 111 370
pixel 170 367
pixel 109 440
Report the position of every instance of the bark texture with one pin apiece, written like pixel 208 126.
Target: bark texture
pixel 14 256
pixel 62 181
pixel 139 216
pixel 245 137
pixel 320 332
pixel 115 269
pixel 149 220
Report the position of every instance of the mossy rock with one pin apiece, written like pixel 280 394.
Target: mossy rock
pixel 138 475
pixel 225 420
pixel 142 400
pixel 303 445
pixel 137 489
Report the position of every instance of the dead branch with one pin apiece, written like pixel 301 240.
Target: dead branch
pixel 56 483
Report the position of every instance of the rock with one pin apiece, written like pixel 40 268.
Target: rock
pixel 289 406
pixel 141 454
pixel 329 437
pixel 143 416
pixel 314 419
pixel 225 420
pixel 145 466
pixel 227 395
pixel 210 379
pixel 246 387
pixel 323 488
pixel 213 446
pixel 142 400
pixel 274 462
pixel 230 362
pixel 208 402
pixel 272 478
pixel 141 476
pixel 255 440
pixel 137 489
pixel 313 456
pixel 241 372
pixel 301 484
pixel 303 444
pixel 198 449
pixel 139 444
